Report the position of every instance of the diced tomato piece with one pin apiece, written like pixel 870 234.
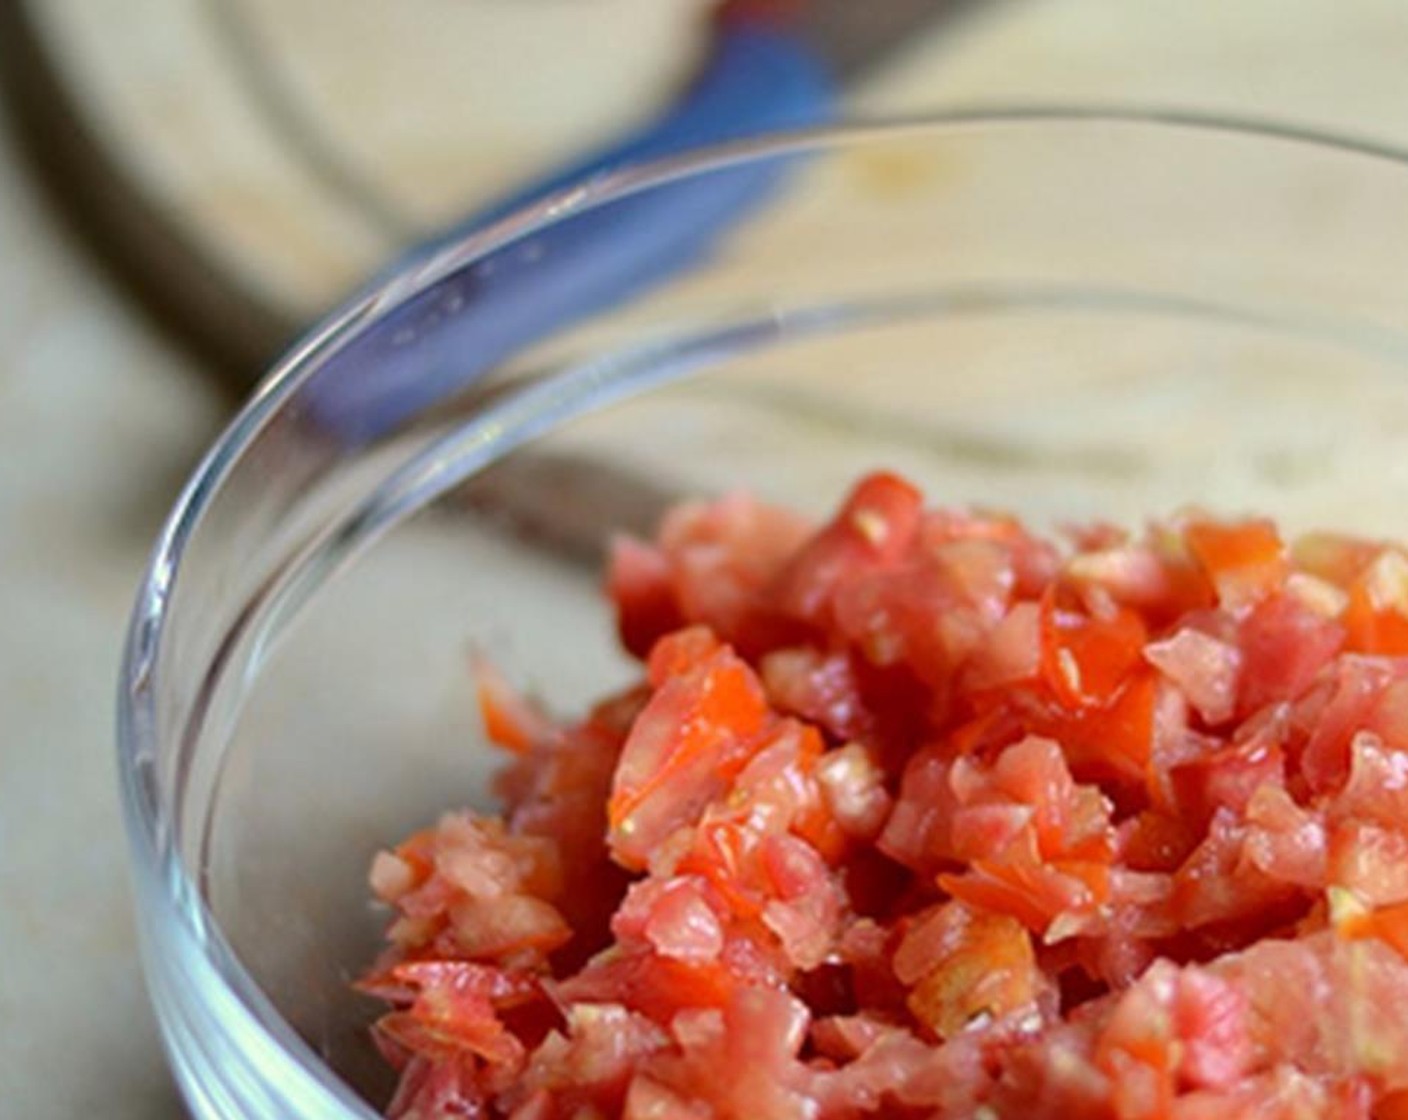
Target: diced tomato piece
pixel 1113 741
pixel 647 1099
pixel 1284 645
pixel 917 833
pixel 655 986
pixel 677 918
pixel 1035 894
pixel 1176 1030
pixel 1130 575
pixel 874 527
pixel 504 927
pixel 741 1060
pixel 639 582
pixel 1217 885
pixel 1087 660
pixel 1333 556
pixel 1203 667
pixel 711 566
pixel 821 688
pixel 1368 630
pixel 1371 861
pixel 1246 562
pixel 589 1062
pixel 443 1087
pixel 1226 778
pixel 961 963
pixel 1376 615
pixel 699 725
pixel 1211 1014
pixel 990 829
pixel 1284 840
pixel 1009 653
pixel 853 787
pixel 1358 684
pixel 1377 787
pixel 723 853
pixel 510 719
pixel 807 906
pixel 454 1011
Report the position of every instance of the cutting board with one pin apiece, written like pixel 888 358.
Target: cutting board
pixel 276 151
pixel 246 162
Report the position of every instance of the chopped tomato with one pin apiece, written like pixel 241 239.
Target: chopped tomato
pixel 656 986
pixel 1115 740
pixel 1216 884
pixel 511 720
pixel 873 528
pixel 1246 562
pixel 1086 660
pixel 1389 924
pixel 1348 711
pixel 922 815
pixel 1203 667
pixel 703 722
pixel 1037 895
pixel 640 584
pixel 454 1011
pixel 1370 860
pixel 819 687
pixel 1375 616
pixel 1225 777
pixel 963 963
pixel 1284 645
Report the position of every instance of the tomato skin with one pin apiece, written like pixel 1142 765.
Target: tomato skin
pixel 1113 741
pixel 1086 660
pixel 511 720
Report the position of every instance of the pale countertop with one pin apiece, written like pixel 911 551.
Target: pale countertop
pixel 100 419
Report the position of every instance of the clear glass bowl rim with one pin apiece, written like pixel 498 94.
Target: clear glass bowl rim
pixel 149 828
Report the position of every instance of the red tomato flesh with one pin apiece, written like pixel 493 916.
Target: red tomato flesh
pixel 920 815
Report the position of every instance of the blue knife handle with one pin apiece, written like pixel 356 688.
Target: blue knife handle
pixel 758 78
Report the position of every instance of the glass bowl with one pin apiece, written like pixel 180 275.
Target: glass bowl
pixel 1069 314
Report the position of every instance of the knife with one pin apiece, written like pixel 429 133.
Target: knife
pixel 773 64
